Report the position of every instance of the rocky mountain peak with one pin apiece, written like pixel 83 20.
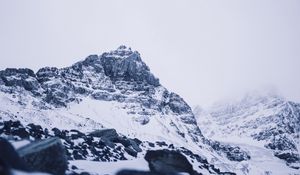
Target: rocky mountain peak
pixel 121 64
pixel 125 64
pixel 121 52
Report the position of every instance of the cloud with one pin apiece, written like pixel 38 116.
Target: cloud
pixel 203 50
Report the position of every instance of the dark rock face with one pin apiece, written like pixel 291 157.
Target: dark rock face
pixel 46 73
pixel 289 157
pixel 13 71
pixel 128 66
pixel 9 158
pixel 233 153
pixel 168 162
pixel 20 77
pixel 45 156
pixel 178 105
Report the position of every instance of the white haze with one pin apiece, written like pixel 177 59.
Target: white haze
pixel 203 50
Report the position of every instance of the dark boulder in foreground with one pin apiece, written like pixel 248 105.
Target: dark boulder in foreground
pixel 9 158
pixel 45 156
pixel 168 162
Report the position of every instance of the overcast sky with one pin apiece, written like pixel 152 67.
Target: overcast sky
pixel 203 50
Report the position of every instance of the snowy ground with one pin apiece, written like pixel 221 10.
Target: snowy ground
pixel 263 162
pixel 109 168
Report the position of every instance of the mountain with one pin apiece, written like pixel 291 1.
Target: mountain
pixel 265 124
pixel 115 90
pixel 110 112
pixel 107 108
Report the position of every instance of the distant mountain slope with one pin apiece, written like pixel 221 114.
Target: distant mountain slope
pixel 266 121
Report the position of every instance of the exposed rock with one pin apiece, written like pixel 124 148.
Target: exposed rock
pixel 124 64
pixel 20 77
pixel 46 156
pixel 4 168
pixel 233 153
pixel 131 151
pixel 9 158
pixel 289 157
pixel 35 131
pixel 46 73
pixel 108 134
pixel 178 105
pixel 103 96
pixel 167 161
pixel 14 128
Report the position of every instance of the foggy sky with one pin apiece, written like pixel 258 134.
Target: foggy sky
pixel 202 50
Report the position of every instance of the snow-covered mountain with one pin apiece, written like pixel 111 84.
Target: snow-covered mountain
pixel 110 109
pixel 113 90
pixel 265 124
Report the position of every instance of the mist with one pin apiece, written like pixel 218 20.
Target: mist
pixel 202 50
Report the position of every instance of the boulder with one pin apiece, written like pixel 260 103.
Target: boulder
pixel 9 158
pixel 108 134
pixel 45 156
pixel 126 142
pixel 168 162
